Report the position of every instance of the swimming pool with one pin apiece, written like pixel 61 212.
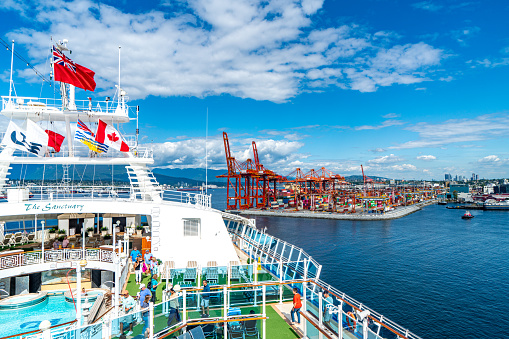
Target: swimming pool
pixel 91 295
pixel 25 319
pixel 20 301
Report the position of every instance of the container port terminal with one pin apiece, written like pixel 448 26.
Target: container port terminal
pixel 254 189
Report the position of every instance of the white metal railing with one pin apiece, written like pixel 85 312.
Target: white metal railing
pixel 119 193
pixel 198 199
pixel 29 104
pixel 61 255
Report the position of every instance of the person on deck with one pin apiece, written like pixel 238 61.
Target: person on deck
pixel 153 288
pixel 174 314
pixel 144 291
pixel 327 302
pixel 135 254
pixel 148 257
pixel 65 243
pixel 145 315
pixel 154 268
pixel 205 298
pixel 137 269
pixel 297 304
pixel 128 304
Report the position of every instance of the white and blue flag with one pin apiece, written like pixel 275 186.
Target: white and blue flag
pixel 33 139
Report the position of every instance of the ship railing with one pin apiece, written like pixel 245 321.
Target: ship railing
pixel 34 104
pixel 190 198
pixel 19 259
pixel 62 192
pixel 276 256
pixel 81 150
pixel 78 192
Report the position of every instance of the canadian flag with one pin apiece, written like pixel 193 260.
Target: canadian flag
pixel 108 135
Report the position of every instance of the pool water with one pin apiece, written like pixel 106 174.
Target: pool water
pixel 54 308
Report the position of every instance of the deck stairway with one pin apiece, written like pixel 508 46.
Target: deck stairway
pixel 5 165
pixel 143 183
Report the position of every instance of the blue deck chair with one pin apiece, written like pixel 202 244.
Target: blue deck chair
pixel 185 336
pixel 197 333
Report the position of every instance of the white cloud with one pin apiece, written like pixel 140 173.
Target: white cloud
pixel 386 159
pixel 427 5
pixel 391 116
pixel 426 157
pixel 490 159
pixel 378 150
pixel 386 123
pixel 190 153
pixel 397 65
pixel 483 127
pixel 248 49
pixel 404 167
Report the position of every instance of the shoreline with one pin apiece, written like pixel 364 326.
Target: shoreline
pixel 395 214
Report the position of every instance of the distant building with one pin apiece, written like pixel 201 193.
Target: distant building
pixel 448 177
pixel 504 188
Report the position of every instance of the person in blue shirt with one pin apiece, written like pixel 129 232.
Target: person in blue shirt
pixel 135 254
pixel 154 288
pixel 148 257
pixel 327 303
pixel 144 291
pixel 205 298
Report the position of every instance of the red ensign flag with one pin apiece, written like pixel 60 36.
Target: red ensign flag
pixel 71 73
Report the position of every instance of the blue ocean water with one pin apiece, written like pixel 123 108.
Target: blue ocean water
pixel 432 272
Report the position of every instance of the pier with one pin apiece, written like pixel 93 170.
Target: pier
pixel 394 214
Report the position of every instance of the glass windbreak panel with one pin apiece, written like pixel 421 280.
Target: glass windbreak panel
pixel 57 279
pixel 160 317
pixel 312 302
pixel 311 270
pixel 215 275
pixel 286 252
pixel 130 322
pixel 92 331
pixel 241 274
pixel 243 297
pixel 272 293
pixel 264 273
pixel 372 335
pixel 312 332
pixel 295 254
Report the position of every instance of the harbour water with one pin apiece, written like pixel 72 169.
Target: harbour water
pixel 432 272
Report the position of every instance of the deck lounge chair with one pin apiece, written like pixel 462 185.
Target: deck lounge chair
pixel 197 333
pixel 250 329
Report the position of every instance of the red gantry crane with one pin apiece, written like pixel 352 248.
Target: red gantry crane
pixel 248 183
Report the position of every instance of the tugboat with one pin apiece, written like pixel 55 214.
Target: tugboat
pixel 467 215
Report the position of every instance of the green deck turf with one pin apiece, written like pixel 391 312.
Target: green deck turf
pixel 277 328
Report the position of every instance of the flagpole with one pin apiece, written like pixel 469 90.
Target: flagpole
pixel 206 152
pixel 119 76
pixel 12 63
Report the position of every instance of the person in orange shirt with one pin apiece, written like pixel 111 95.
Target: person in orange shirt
pixel 297 304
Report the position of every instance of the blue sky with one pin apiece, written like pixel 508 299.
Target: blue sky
pixel 409 89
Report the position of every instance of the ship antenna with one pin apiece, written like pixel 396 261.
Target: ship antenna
pixel 206 151
pixel 10 81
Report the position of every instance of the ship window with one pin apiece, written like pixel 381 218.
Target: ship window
pixel 192 227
